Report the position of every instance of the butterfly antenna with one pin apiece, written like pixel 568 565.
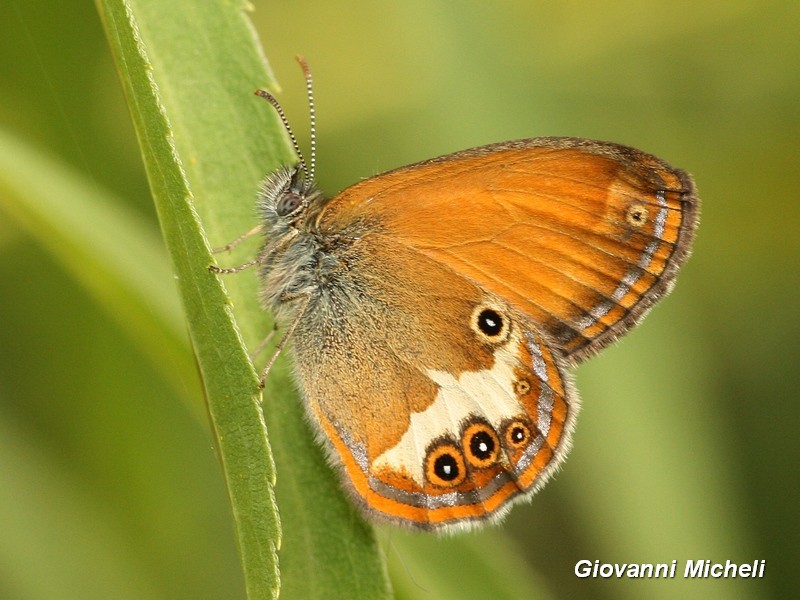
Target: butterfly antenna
pixel 282 115
pixel 313 118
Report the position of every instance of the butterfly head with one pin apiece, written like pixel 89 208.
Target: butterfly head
pixel 285 197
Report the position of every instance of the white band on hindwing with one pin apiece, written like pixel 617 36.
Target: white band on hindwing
pixel 487 393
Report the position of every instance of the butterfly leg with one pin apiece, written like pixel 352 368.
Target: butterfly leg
pixel 306 298
pixel 227 271
pixel 254 354
pixel 239 240
pixel 233 244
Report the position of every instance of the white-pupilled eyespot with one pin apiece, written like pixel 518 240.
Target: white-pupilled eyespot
pixel 490 323
pixel 444 465
pixel 481 445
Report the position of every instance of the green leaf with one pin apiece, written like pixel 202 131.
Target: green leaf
pixel 485 563
pixel 228 377
pixel 68 536
pixel 189 71
pixel 106 247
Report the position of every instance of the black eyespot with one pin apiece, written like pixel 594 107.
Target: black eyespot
pixel 490 323
pixel 444 465
pixel 288 203
pixel 481 444
pixel 517 434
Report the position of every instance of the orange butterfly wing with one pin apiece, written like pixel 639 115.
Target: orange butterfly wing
pixel 435 422
pixel 581 236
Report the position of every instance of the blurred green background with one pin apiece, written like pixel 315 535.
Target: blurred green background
pixel 108 479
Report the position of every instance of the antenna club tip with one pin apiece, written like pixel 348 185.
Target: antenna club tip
pixel 303 64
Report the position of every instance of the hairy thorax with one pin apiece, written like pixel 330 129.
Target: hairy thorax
pixel 307 268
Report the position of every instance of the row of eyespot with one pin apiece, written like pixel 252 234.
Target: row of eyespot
pixel 446 462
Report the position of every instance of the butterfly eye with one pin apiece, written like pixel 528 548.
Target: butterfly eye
pixel 444 465
pixel 490 324
pixel 636 215
pixel 481 445
pixel 288 203
pixel 517 434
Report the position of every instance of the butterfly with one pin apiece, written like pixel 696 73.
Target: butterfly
pixel 433 310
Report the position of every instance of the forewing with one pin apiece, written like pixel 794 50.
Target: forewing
pixel 582 237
